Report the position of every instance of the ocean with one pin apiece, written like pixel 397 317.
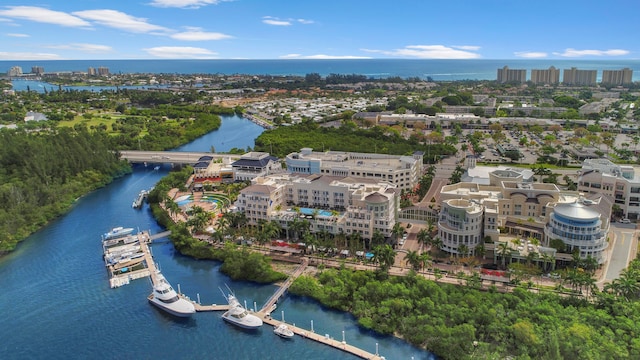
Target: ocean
pixel 438 70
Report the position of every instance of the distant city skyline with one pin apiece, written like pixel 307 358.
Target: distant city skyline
pixel 328 29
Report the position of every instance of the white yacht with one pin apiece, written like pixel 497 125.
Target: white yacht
pixel 239 316
pixel 117 232
pixel 283 331
pixel 167 299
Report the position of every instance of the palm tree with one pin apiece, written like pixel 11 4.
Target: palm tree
pixel 424 237
pixel 425 260
pixel 354 241
pixel 503 250
pixel 412 258
pixel 172 207
pixel 385 256
pixel 198 219
pixel 397 231
pixel 463 250
pixel 377 238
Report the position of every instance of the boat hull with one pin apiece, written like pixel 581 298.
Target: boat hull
pixel 170 310
pixel 242 325
pixel 283 332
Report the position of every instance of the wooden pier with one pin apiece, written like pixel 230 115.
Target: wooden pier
pixel 266 309
pixel 323 339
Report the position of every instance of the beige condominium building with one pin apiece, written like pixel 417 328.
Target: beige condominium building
pixel 577 77
pixel 506 75
pixel 549 76
pixel 617 77
pixel 403 171
pixel 506 207
pixel 335 204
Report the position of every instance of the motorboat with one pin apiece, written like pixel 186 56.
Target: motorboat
pixel 283 331
pixel 139 201
pixel 238 315
pixel 167 299
pixel 117 232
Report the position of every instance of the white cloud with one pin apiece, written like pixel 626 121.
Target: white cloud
pixel 466 47
pixel 185 4
pixel 178 52
pixel 578 53
pixel 530 54
pixel 276 22
pixel 18 35
pixel 120 20
pixel 270 20
pixel 28 56
pixel 88 48
pixel 196 34
pixel 42 15
pixel 322 57
pixel 431 52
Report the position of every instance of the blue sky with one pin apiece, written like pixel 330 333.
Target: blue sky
pixel 318 29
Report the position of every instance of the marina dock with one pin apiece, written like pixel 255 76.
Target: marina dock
pixel 133 251
pixel 325 339
pixel 129 257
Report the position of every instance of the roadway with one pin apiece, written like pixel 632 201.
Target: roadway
pixel 623 248
pixel 173 157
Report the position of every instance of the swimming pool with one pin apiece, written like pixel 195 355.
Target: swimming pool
pixel 186 199
pixel 308 211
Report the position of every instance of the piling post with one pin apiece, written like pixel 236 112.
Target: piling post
pixel 283 316
pixel 198 296
pixel 312 326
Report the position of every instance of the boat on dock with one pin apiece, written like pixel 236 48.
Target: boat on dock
pixel 137 203
pixel 117 232
pixel 283 331
pixel 167 299
pixel 238 315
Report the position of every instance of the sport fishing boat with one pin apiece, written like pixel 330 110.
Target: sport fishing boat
pixel 167 299
pixel 238 315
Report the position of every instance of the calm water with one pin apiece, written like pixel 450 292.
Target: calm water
pixel 439 70
pixel 56 302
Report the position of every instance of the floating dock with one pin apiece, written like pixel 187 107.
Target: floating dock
pixel 127 258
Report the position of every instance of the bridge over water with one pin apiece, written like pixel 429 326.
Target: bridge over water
pixel 171 157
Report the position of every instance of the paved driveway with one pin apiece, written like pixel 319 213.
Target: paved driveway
pixel 623 248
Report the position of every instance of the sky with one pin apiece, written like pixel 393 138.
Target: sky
pixel 318 29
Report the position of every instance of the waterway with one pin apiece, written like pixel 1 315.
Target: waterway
pixel 57 304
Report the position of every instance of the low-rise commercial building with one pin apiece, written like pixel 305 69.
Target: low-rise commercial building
pixel 510 205
pixel 619 182
pixel 403 171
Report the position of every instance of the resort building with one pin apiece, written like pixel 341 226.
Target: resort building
pixel 550 76
pixel 508 205
pixel 460 223
pixel 619 182
pixel 14 71
pixel 617 77
pixel 580 227
pixel 208 171
pixel 403 171
pixel 577 77
pixel 254 164
pixel 37 70
pixel 506 75
pixel 335 204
